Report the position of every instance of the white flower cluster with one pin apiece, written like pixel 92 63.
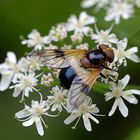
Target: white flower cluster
pixel 28 76
pixel 115 9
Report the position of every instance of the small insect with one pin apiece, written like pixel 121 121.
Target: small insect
pixel 79 69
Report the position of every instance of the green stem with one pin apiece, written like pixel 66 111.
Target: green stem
pixel 102 88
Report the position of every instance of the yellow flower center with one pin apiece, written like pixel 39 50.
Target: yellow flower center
pixel 120 53
pixel 27 82
pixel 79 25
pixel 83 108
pixel 38 110
pixel 103 36
pixel 59 98
pixel 16 68
pixel 37 39
pixel 117 92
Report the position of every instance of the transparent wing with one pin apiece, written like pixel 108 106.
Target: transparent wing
pixel 60 58
pixel 80 87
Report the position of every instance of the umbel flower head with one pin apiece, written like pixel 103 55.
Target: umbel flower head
pixel 29 74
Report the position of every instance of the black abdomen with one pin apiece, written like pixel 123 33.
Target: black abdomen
pixel 66 77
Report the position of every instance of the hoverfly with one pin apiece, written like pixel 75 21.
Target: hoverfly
pixel 79 69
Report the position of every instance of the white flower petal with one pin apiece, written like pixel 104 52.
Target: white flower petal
pixel 123 43
pixel 130 98
pixel 93 118
pixel 24 42
pixel 27 90
pixel 86 19
pixel 122 107
pixel 109 17
pixel 54 107
pixel 5 81
pixel 113 109
pixel 38 47
pixel 123 82
pixel 87 122
pixel 17 91
pixel 34 104
pixel 94 109
pixel 108 96
pixel 133 91
pixel 71 118
pixel 60 108
pixel 87 100
pixel 133 57
pixel 30 43
pixel 4 69
pixel 33 33
pixel 28 123
pixel 23 114
pixel 132 50
pixel 11 57
pixel 88 3
pixel 39 126
pixel 112 85
pixel 15 78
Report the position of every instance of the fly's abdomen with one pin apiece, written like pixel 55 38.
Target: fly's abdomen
pixel 66 77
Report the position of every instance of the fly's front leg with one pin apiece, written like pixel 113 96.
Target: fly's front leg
pixel 114 68
pixel 103 75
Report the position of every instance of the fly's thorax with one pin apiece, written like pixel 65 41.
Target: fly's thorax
pixel 85 63
pixel 96 57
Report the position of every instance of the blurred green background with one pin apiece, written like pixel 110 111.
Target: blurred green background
pixel 19 17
